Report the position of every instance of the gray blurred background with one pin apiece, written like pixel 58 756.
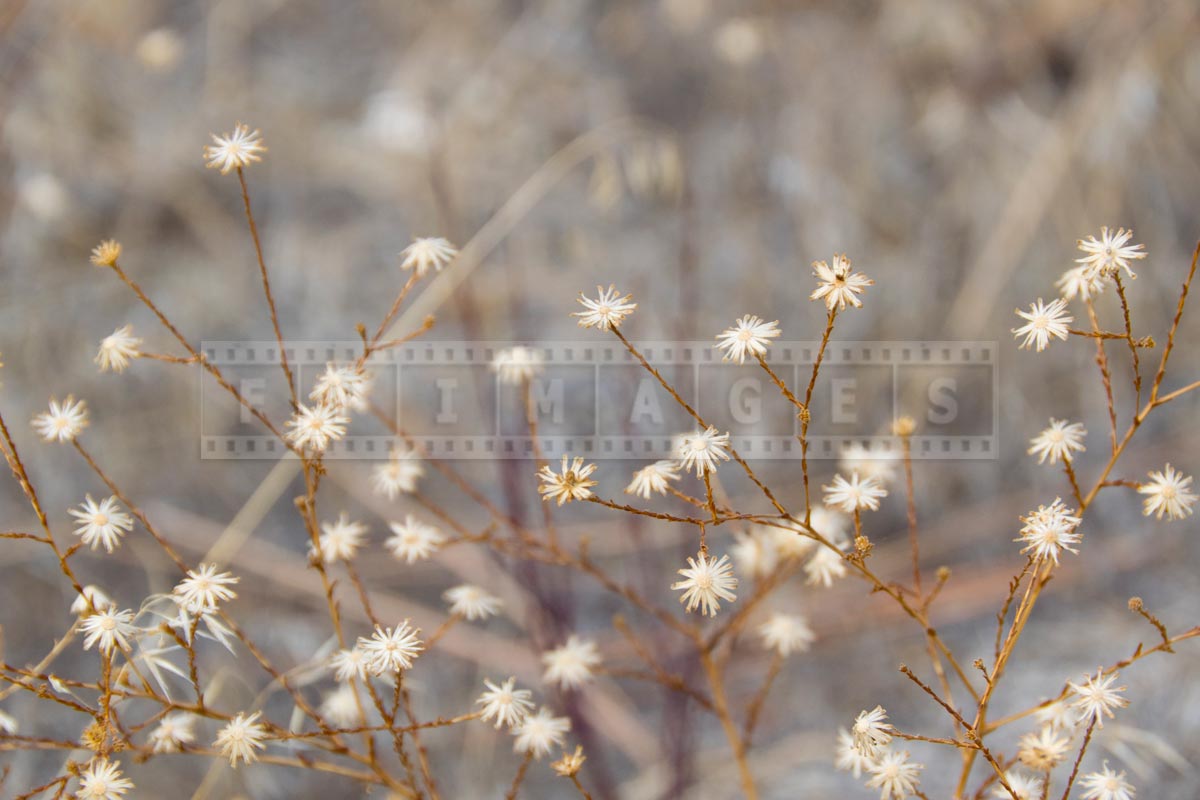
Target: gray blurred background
pixel 699 154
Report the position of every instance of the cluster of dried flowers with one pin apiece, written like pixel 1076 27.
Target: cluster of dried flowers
pixel 148 653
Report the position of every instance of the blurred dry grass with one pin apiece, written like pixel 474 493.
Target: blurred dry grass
pixel 955 150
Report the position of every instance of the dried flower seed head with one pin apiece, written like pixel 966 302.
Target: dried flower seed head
pixel 102 780
pixel 399 474
pixel 1059 441
pixel 653 479
pixel 571 664
pixel 1096 697
pixel 99 600
pixel 235 150
pixel 701 451
pixel 106 253
pixel 515 365
pixel 110 628
pixel 1110 253
pixel 204 588
pixel 241 737
pixel 1043 322
pixel 1107 785
pixel 569 765
pixel 349 665
pixel 172 733
pixel 1043 750
pixel 390 650
pixel 879 465
pixel 855 494
pixel 871 732
pixel 428 253
pixel 896 776
pixel 786 634
pixel 118 350
pixel 706 581
pixel 756 552
pixel 1026 787
pixel 339 540
pixel 63 422
pixel 413 540
pixel 102 523
pixel 825 566
pixel 839 285
pixel 1167 494
pixel 849 758
pixel 313 428
pixel 1059 716
pixel 568 485
pixel 472 603
pixel 538 734
pixel 1050 530
pixel 341 706
pixel 607 311
pixel 1082 282
pixel 749 337
pixel 791 540
pixel 343 387
pixel 507 704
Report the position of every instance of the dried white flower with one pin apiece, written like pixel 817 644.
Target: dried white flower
pixel 1043 750
pixel 426 254
pixel 607 311
pixel 109 627
pixel 706 580
pixel 399 474
pixel 1167 494
pixel 826 565
pixel 413 540
pixel 755 552
pixel 339 540
pixel 1058 716
pixel 570 763
pixel 118 349
pixel 101 524
pixel 515 365
pixel 99 600
pixel 509 705
pixel 1110 253
pixel 1060 440
pixel 63 421
pixel 871 731
pixel 204 588
pixel 349 664
pixel 701 451
pixel 1050 530
pixel 854 494
pixel 1096 697
pixel 538 734
pixel 653 479
pixel 1106 785
pixel 343 387
pixel 786 634
pixel 1081 281
pixel 895 775
pixel 571 483
pixel 235 150
pixel 849 758
pixel 570 665
pixel 856 459
pixel 341 706
pixel 1026 787
pixel 1043 322
pixel 750 336
pixel 471 602
pixel 391 649
pixel 839 285
pixel 173 731
pixel 315 427
pixel 106 253
pixel 241 737
pixel 102 780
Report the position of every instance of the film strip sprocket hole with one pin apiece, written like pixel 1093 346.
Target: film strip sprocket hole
pixel 597 401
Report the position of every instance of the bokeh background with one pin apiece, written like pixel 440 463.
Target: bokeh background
pixel 697 153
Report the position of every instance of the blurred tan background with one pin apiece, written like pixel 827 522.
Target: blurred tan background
pixel 697 153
